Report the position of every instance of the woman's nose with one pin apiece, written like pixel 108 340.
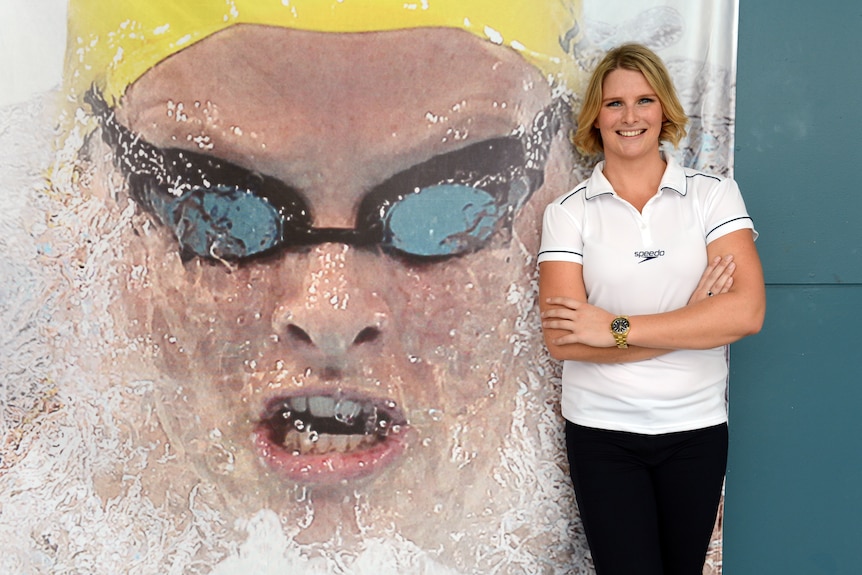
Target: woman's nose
pixel 338 314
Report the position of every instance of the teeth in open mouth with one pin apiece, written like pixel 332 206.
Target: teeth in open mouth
pixel 323 424
pixel 310 443
pixel 321 406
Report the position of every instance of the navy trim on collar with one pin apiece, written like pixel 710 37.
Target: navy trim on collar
pixel 573 193
pixel 674 178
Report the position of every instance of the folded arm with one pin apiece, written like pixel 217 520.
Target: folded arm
pixel 576 330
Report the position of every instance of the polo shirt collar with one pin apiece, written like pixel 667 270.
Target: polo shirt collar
pixel 672 179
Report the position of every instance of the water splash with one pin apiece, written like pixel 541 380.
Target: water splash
pixel 75 483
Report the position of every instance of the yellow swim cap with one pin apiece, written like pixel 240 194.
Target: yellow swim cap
pixel 112 43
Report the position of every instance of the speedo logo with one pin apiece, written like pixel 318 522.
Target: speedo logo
pixel 649 255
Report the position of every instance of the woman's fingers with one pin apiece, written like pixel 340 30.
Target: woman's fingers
pixel 564 301
pixel 716 279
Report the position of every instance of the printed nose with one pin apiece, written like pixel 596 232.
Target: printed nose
pixel 332 337
pixel 338 315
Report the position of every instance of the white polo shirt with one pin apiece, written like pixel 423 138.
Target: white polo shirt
pixel 643 263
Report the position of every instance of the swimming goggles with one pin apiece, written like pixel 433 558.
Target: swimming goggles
pixel 449 205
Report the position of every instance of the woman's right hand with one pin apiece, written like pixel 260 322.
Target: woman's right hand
pixel 716 279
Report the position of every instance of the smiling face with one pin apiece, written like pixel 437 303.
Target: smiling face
pixel 630 117
pixel 365 352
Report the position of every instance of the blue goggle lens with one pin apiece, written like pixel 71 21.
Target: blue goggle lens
pixel 223 223
pixel 441 220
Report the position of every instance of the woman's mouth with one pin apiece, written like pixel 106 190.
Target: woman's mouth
pixel 328 438
pixel 631 133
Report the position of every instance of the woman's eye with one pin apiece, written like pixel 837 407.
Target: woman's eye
pixel 442 220
pixel 646 100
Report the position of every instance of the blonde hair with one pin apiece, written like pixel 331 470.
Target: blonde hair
pixel 639 58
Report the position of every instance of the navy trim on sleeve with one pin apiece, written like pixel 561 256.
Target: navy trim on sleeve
pixel 560 252
pixel 728 222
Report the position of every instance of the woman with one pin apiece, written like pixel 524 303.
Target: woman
pixel 642 328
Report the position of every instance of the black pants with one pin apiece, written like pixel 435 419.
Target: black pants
pixel 648 502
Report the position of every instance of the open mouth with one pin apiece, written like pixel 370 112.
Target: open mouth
pixel 327 438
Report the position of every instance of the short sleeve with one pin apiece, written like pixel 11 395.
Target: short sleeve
pixel 562 238
pixel 725 211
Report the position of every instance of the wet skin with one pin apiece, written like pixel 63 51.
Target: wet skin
pixel 421 346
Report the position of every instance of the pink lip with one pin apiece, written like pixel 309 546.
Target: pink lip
pixel 328 468
pixel 377 451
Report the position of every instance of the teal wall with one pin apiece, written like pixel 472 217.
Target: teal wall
pixel 794 484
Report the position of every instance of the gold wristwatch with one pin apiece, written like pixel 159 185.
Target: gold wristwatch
pixel 620 329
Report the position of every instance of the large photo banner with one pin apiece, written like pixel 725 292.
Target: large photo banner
pixel 269 281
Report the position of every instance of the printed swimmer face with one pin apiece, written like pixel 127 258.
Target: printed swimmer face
pixel 327 263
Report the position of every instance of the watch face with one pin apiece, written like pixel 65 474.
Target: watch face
pixel 620 325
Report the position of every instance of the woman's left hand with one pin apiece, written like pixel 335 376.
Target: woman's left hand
pixel 717 279
pixel 586 324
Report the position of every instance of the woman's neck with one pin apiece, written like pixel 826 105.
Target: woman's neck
pixel 635 180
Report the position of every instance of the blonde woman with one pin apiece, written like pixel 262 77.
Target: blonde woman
pixel 642 329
